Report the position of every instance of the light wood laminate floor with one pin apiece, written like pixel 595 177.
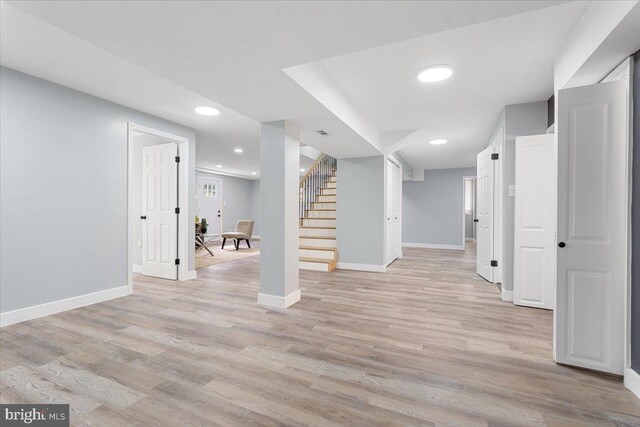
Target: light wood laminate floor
pixel 427 343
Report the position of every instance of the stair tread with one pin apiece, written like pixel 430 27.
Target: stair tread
pixel 306 217
pixel 322 210
pixel 317 248
pixel 308 226
pixel 318 260
pixel 319 237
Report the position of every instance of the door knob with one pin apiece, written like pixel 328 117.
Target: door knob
pixel 561 245
pixel 475 220
pixel 143 217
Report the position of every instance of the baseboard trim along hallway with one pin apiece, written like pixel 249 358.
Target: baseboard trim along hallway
pixel 632 381
pixel 36 311
pixel 432 246
pixel 277 301
pixel 361 267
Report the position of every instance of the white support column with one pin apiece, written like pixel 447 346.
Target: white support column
pixel 279 183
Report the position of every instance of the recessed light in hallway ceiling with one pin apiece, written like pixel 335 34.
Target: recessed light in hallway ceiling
pixel 207 111
pixel 238 150
pixel 438 141
pixel 436 73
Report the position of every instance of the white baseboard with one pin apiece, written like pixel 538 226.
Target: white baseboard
pixel 361 267
pixel 432 246
pixel 136 268
pixel 255 237
pixel 632 381
pixel 469 239
pixel 193 274
pixel 278 301
pixel 29 313
pixel 507 295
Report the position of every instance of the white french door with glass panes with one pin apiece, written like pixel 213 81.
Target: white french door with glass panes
pixel 592 226
pixel 159 219
pixel 210 203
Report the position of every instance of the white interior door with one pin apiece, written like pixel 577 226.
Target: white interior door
pixel 592 218
pixel 210 203
pixel 534 268
pixel 484 225
pixel 393 207
pixel 159 219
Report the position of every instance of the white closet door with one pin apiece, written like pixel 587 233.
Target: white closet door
pixel 484 226
pixel 159 200
pixel 592 171
pixel 535 218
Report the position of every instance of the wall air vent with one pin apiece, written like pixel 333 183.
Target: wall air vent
pixel 322 132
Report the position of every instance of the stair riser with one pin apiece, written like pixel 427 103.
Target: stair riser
pixel 324 243
pixel 315 266
pixel 312 253
pixel 328 191
pixel 326 199
pixel 331 185
pixel 319 232
pixel 318 222
pixel 321 214
pixel 328 205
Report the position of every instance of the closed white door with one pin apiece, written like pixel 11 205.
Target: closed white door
pixel 159 218
pixel 534 281
pixel 592 218
pixel 484 224
pixel 210 203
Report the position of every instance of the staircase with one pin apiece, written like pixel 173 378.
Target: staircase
pixel 318 216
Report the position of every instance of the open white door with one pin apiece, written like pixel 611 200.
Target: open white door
pixel 592 218
pixel 484 218
pixel 534 269
pixel 159 219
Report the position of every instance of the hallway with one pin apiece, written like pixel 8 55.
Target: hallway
pixel 428 342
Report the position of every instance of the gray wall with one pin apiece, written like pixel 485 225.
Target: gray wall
pixel 63 191
pixel 255 205
pixel 432 209
pixel 519 120
pixel 360 210
pixel 236 199
pixel 635 225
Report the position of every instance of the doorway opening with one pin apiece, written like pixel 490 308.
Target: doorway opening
pixel 158 204
pixel 469 211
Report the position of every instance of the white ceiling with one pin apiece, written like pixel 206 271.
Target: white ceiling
pixel 166 57
pixel 497 63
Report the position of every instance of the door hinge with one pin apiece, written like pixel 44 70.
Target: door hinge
pixel 177 261
pixel 494 263
pixel 177 159
pixel 494 156
pixel 177 210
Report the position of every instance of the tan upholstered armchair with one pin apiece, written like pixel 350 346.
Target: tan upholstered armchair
pixel 244 231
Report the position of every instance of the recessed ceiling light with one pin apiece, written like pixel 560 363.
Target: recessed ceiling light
pixel 238 150
pixel 218 166
pixel 254 173
pixel 302 170
pixel 438 141
pixel 207 111
pixel 437 73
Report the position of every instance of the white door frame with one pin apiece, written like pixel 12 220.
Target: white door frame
pixel 183 195
pixel 622 71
